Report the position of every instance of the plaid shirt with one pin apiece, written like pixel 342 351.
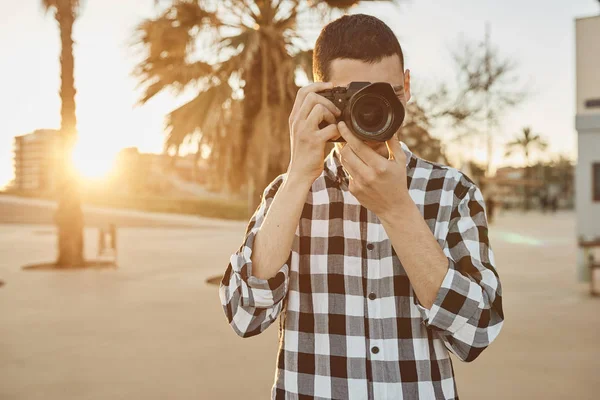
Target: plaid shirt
pixel 351 326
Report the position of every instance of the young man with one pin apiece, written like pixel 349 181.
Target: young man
pixel 377 261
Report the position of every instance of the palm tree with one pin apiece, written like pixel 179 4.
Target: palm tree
pixel 69 217
pixel 238 59
pixel 526 143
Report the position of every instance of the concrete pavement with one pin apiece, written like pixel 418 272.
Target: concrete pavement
pixel 152 329
pixel 22 210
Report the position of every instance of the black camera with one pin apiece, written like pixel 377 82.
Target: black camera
pixel 372 111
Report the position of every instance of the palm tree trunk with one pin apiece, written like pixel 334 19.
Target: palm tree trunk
pixel 69 217
pixel 260 138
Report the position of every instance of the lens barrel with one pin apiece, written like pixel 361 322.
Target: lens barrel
pixel 374 111
pixel 371 114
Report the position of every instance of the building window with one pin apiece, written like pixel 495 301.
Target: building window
pixel 596 181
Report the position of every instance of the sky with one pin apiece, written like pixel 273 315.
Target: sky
pixel 538 34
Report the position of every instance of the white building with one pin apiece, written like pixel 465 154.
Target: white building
pixel 587 181
pixel 35 160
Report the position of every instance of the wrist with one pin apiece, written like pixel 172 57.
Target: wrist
pixel 399 210
pixel 298 182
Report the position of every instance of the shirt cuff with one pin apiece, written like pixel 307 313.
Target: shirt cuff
pixel 259 293
pixel 457 301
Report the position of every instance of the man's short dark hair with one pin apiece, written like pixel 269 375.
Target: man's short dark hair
pixel 358 37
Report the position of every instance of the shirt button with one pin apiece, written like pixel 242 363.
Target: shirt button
pixel 372 296
pixel 375 350
pixel 370 246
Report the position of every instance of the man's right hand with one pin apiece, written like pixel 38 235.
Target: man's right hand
pixel 306 139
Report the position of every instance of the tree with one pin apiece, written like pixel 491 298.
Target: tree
pixel 564 174
pixel 237 59
pixel 415 132
pixel 486 90
pixel 559 174
pixel 69 217
pixel 526 143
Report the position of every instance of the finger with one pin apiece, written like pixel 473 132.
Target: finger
pixel 355 166
pixel 330 132
pixel 304 91
pixel 366 154
pixel 311 100
pixel 319 113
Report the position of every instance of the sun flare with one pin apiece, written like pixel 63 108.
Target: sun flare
pixel 93 161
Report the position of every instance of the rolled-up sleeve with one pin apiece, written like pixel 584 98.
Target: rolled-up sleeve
pixel 252 304
pixel 467 312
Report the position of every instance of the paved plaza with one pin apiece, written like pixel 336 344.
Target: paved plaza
pixel 153 329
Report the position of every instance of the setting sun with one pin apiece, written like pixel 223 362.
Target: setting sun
pixel 92 160
pixel 479 154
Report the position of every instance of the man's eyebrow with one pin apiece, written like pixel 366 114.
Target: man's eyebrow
pixel 398 88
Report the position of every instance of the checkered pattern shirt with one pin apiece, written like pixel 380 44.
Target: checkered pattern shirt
pixel 350 326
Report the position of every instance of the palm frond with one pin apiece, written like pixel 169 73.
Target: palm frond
pixel 194 115
pixel 304 60
pixel 47 5
pixel 168 40
pixel 234 42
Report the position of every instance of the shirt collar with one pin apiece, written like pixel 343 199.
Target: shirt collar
pixel 334 169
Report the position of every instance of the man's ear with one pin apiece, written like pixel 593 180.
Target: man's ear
pixel 407 85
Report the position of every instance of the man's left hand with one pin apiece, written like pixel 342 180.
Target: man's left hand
pixel 378 183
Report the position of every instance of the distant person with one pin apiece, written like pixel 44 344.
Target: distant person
pixel 554 203
pixel 349 250
pixel 491 207
pixel 544 201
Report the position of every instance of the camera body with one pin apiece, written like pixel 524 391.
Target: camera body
pixel 372 111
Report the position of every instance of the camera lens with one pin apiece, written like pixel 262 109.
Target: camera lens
pixel 371 113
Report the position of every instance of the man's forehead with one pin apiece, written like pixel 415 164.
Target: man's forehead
pixel 389 69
